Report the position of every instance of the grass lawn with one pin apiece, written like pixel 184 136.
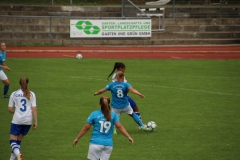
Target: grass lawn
pixel 195 104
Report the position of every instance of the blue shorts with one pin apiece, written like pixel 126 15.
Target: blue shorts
pixel 17 129
pixel 132 103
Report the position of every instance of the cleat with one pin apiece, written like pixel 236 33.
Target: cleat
pixel 5 96
pixel 145 129
pixel 114 131
pixel 144 125
pixel 20 157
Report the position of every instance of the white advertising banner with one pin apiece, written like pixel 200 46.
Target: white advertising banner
pixel 110 28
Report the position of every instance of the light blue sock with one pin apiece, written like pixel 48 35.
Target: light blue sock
pixel 137 119
pixel 139 115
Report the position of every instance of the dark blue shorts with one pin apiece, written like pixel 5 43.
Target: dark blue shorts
pixel 17 129
pixel 132 103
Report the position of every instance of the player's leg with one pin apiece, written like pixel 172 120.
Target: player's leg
pixel 95 151
pixel 118 113
pixel 6 83
pixel 106 153
pixel 14 133
pixel 134 106
pixel 128 110
pixel 17 132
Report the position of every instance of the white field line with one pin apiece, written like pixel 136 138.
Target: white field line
pixel 106 51
pixel 179 76
pixel 186 89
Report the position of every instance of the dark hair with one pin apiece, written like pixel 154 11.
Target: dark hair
pixel 105 107
pixel 24 86
pixel 117 66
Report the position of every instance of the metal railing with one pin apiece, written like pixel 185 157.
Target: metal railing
pixel 68 17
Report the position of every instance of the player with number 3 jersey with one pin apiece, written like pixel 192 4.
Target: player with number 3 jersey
pixel 25 113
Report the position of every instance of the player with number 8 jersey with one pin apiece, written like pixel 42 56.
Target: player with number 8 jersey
pixel 120 103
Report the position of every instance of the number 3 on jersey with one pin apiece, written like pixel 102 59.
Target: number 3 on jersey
pixel 105 126
pixel 24 107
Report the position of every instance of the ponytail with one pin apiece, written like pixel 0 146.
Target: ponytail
pixel 105 107
pixel 24 86
pixel 117 66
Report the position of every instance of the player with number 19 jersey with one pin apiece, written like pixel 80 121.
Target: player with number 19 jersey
pixel 102 129
pixel 119 92
pixel 23 107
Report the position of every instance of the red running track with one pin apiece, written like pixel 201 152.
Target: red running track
pixel 132 52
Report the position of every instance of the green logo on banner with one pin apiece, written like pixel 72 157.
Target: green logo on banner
pixel 87 27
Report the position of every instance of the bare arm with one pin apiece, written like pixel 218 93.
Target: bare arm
pixel 84 130
pixel 5 67
pixel 136 92
pixel 11 110
pixel 100 91
pixel 34 111
pixel 123 131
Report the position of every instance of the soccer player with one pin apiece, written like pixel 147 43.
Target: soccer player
pixel 120 103
pixel 101 142
pixel 119 66
pixel 3 76
pixel 25 113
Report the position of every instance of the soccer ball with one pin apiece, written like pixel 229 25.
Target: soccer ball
pixel 79 56
pixel 151 125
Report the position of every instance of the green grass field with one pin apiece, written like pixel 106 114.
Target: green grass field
pixel 195 104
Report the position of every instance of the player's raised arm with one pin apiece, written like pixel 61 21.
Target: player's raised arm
pixel 100 91
pixel 135 92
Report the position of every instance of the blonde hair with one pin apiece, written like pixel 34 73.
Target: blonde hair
pixel 119 75
pixel 105 107
pixel 24 86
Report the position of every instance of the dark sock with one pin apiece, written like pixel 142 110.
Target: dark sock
pixel 5 91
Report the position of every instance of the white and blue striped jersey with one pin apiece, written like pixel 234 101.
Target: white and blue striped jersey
pixel 102 129
pixel 119 92
pixel 23 107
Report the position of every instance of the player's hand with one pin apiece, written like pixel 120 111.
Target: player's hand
pixel 75 142
pixel 7 68
pixel 141 95
pixel 131 140
pixel 34 126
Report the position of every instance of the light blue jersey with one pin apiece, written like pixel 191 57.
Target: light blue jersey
pixel 2 58
pixel 102 129
pixel 119 94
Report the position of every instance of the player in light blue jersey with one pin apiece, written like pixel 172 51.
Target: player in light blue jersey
pixel 120 103
pixel 119 66
pixel 103 121
pixel 3 76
